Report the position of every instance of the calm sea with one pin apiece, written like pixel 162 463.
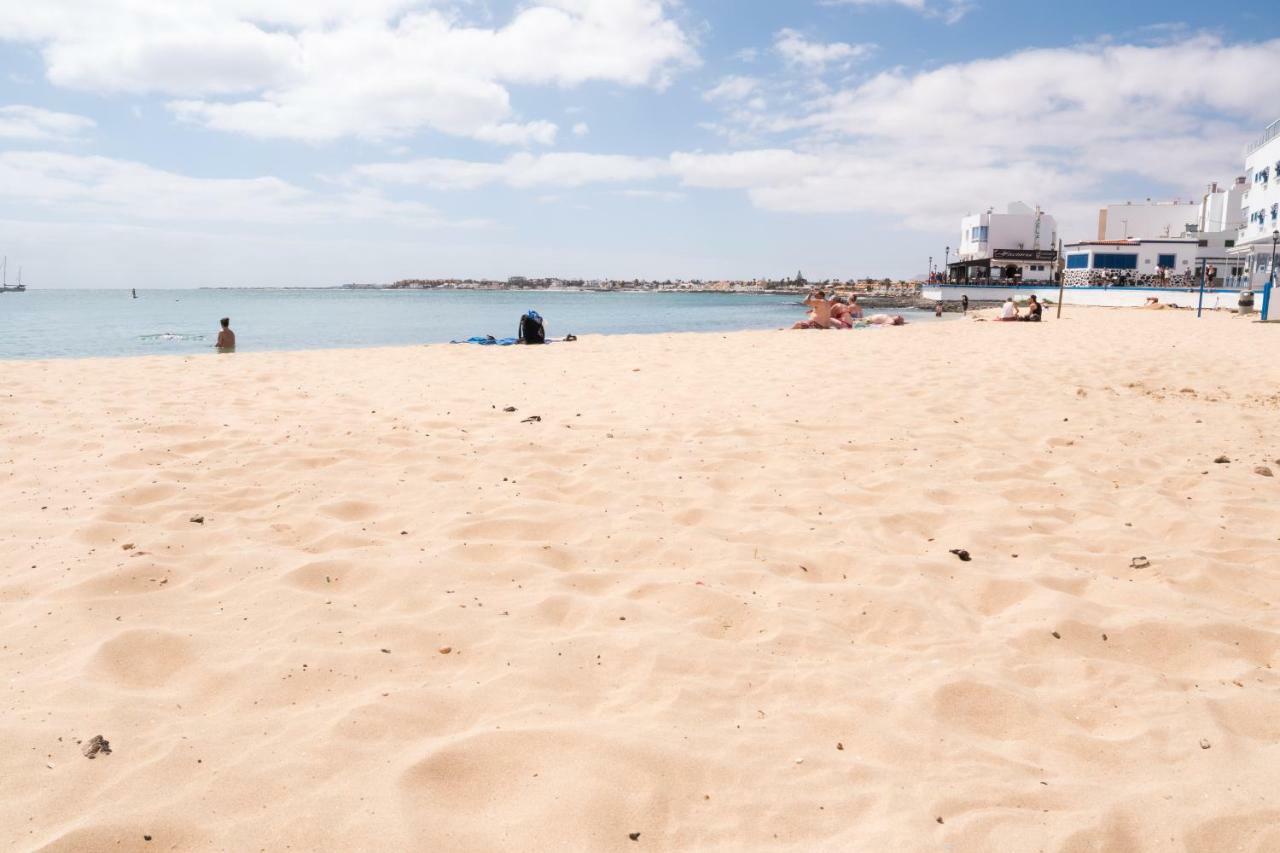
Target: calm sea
pixel 75 323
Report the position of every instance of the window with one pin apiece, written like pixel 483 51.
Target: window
pixel 1078 262
pixel 979 233
pixel 1167 261
pixel 1115 262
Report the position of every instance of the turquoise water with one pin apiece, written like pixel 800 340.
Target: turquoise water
pixel 74 323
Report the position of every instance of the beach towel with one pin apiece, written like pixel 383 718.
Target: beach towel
pixel 488 341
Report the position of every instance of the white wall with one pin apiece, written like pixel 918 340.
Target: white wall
pixel 1114 297
pixel 1149 220
pixel 1261 195
pixel 1013 230
pixel 1221 209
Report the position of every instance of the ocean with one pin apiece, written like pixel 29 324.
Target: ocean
pixel 79 323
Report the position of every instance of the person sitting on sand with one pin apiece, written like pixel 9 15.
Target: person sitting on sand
pixel 226 338
pixel 532 330
pixel 855 310
pixel 1034 310
pixel 1009 311
pixel 1152 302
pixel 819 312
pixel 840 313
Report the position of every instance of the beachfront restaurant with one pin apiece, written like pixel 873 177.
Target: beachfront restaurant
pixel 1005 267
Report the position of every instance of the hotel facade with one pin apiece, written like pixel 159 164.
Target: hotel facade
pixel 1258 234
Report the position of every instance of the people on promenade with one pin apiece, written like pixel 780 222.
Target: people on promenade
pixel 532 329
pixel 226 338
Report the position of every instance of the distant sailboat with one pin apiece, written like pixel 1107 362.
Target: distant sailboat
pixel 4 279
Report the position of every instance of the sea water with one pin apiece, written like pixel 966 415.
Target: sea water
pixel 77 323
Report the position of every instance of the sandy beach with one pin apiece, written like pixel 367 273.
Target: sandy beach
pixel 345 600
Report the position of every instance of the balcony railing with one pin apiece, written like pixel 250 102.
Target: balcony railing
pixel 1272 131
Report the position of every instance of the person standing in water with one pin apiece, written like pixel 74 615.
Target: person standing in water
pixel 226 337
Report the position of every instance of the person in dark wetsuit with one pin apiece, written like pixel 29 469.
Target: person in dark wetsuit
pixel 532 331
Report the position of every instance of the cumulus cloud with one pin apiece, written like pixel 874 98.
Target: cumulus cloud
pixel 64 185
pixel 1048 126
pixel 320 70
pixel 27 123
pixel 798 51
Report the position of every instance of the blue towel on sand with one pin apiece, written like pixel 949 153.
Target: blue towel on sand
pixel 488 341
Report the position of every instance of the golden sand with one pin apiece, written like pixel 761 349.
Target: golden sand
pixel 708 598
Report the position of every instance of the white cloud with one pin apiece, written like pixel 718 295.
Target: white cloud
pixel 950 10
pixel 316 71
pixel 581 129
pixel 735 87
pixel 27 123
pixel 798 51
pixel 1048 126
pixel 561 170
pixel 65 185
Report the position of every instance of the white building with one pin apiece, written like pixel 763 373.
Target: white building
pixel 1254 243
pixel 1222 209
pixel 1163 263
pixel 1150 219
pixel 1020 245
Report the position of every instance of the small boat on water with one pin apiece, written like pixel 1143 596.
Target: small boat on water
pixel 4 279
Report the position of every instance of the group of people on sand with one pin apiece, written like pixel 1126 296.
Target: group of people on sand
pixel 1009 313
pixel 837 312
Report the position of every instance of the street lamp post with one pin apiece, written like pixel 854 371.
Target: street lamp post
pixel 1271 279
pixel 946 263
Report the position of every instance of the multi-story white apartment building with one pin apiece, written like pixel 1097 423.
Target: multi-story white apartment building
pixel 1222 208
pixel 1261 228
pixel 1019 245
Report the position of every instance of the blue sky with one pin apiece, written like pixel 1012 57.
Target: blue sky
pixel 283 142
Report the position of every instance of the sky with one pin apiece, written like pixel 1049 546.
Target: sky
pixel 146 143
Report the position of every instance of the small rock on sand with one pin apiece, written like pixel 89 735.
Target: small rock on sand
pixel 1139 563
pixel 444 650
pixel 96 744
pixel 1204 743
pixel 1263 471
pixel 197 519
pixel 1222 460
pixel 962 554
pixel 634 836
